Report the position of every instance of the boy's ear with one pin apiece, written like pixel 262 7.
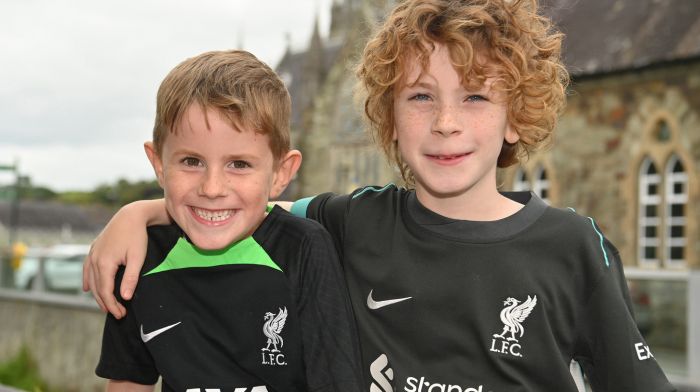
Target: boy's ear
pixel 156 162
pixel 287 168
pixel 512 136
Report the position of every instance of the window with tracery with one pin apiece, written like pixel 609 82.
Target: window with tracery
pixel 541 184
pixel 649 220
pixel 663 201
pixel 676 200
pixel 521 182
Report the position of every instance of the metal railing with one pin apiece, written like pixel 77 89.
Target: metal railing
pixel 673 301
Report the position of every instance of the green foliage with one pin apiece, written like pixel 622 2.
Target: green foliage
pixel 38 193
pixel 21 372
pixel 124 192
pixel 76 197
pixel 114 195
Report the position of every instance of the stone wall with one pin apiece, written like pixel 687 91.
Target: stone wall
pixel 63 333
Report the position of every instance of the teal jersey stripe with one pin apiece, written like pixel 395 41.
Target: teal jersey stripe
pixel 186 255
pixel 602 246
pixel 600 236
pixel 373 189
pixel 300 206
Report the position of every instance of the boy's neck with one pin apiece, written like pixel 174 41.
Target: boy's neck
pixel 472 207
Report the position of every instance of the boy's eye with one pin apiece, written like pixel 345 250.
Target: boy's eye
pixel 190 161
pixel 420 97
pixel 239 164
pixel 476 98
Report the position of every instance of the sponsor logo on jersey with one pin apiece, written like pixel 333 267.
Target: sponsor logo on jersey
pixel 513 316
pixel 374 305
pixel 274 323
pixel 643 351
pixel 382 375
pixel 414 384
pixel 260 388
pixel 148 336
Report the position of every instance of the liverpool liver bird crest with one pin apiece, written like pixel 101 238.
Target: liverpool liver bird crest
pixel 272 329
pixel 513 315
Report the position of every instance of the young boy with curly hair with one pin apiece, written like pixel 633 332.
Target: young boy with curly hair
pixel 232 297
pixel 455 286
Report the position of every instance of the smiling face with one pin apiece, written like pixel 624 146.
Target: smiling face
pixel 449 136
pixel 217 179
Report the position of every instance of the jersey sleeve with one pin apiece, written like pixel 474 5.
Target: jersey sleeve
pixel 612 351
pixel 124 356
pixel 329 210
pixel 330 341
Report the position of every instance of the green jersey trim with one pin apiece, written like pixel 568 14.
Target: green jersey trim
pixel 186 255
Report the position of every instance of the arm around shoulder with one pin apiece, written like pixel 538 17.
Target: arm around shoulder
pixel 122 241
pixel 146 212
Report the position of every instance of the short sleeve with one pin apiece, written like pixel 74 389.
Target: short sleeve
pixel 329 335
pixel 329 210
pixel 612 351
pixel 124 356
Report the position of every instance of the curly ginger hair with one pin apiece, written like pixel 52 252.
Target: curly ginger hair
pixel 504 39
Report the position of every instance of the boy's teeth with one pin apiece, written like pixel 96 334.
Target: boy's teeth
pixel 213 216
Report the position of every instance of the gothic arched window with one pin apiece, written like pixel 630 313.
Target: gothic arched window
pixel 649 219
pixel 521 182
pixel 675 201
pixel 541 185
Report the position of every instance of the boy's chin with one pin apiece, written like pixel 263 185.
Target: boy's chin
pixel 214 245
pixel 209 242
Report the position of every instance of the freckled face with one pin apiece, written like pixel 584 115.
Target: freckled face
pixel 217 180
pixel 449 137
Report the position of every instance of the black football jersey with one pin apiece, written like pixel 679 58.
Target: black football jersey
pixel 269 313
pixel 502 306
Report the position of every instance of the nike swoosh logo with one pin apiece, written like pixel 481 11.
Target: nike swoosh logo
pixel 372 304
pixel 148 336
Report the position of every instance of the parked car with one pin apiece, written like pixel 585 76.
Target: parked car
pixel 63 266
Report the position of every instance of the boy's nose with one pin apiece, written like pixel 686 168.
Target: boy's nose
pixel 214 184
pixel 445 123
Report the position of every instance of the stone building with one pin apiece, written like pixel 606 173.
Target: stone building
pixel 326 125
pixel 626 150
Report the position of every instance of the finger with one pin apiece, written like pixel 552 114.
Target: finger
pixel 86 272
pixel 89 280
pixel 134 262
pixel 93 290
pixel 105 288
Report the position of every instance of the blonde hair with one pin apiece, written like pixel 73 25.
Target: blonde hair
pixel 242 88
pixel 505 39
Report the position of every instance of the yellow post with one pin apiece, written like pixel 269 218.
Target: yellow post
pixel 19 250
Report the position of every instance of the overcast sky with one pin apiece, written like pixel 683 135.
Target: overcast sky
pixel 78 78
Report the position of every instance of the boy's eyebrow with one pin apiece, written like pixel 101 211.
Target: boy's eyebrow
pixel 228 157
pixel 483 89
pixel 421 83
pixel 185 151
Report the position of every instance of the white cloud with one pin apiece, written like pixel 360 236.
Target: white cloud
pixel 79 77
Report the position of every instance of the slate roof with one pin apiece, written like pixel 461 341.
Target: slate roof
pixel 53 216
pixel 605 36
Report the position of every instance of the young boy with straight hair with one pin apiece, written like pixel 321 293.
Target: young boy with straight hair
pixel 232 297
pixel 456 286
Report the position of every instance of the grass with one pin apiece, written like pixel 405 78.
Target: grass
pixel 21 372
